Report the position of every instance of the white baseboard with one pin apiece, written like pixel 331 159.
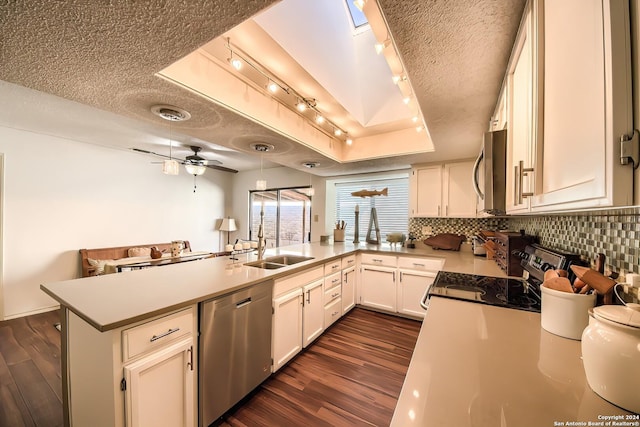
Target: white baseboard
pixel 29 313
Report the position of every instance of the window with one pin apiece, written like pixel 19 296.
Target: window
pixel 287 216
pixel 357 17
pixel 392 210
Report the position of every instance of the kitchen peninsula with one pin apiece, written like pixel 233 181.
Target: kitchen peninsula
pixel 124 302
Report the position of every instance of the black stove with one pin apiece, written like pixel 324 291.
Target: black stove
pixel 512 292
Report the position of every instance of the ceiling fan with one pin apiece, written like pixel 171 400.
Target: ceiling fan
pixel 192 160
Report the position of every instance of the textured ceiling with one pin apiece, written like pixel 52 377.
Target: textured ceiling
pixel 106 54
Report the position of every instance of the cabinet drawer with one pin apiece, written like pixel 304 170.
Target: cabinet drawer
pixel 152 335
pixel 333 280
pixel 332 312
pixel 331 294
pixel 332 267
pixel 376 259
pixel 348 262
pixel 429 264
pixel 291 282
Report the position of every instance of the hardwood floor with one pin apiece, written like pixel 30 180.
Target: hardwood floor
pixel 30 379
pixel 350 376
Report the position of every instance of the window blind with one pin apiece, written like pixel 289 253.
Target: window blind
pixel 392 211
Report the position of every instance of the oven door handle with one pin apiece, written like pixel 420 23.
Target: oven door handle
pixel 424 301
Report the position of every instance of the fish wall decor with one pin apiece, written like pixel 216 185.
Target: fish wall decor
pixel 371 193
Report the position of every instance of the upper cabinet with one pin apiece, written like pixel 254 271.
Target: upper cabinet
pixel 569 103
pixel 444 190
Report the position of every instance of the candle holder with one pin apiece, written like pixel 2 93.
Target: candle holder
pixel 356 232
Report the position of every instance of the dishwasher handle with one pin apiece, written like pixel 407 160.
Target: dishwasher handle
pixel 243 303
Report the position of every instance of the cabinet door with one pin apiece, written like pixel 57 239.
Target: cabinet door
pixel 348 289
pixel 521 117
pixel 587 105
pixel 287 327
pixel 160 388
pixel 378 288
pixel 458 196
pixel 312 312
pixel 412 286
pixel 426 191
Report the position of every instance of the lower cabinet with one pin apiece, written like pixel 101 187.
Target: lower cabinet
pixel 412 285
pixel 160 391
pixel 287 327
pixel 348 289
pixel 312 312
pixel 298 316
pixel 142 374
pixel 378 288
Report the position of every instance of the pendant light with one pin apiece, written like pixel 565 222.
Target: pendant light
pixel 171 166
pixel 310 191
pixel 261 184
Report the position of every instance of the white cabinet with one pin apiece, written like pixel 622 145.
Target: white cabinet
pixel 348 289
pixel 415 275
pixel 522 90
pixel 425 191
pixel 332 292
pixel 160 388
pixel 287 327
pixel 458 197
pixel 587 105
pixel 312 312
pixel 569 95
pixel 290 332
pixel 378 282
pixel 412 286
pixel 138 375
pixel 443 190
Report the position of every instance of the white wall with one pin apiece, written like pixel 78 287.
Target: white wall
pixel 60 195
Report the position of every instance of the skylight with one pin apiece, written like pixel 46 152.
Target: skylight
pixel 357 17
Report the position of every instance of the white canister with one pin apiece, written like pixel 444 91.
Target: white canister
pixel 177 247
pixel 611 354
pixel 564 313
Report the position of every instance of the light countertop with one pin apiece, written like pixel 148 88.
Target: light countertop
pixel 115 300
pixel 479 365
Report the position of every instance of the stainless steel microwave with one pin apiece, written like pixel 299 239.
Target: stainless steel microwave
pixel 490 173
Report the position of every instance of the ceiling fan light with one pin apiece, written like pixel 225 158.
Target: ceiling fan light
pixel 170 167
pixel 195 169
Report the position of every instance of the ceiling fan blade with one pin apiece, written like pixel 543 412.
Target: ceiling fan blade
pixel 222 168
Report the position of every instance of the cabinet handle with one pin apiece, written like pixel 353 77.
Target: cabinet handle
pixel 418 265
pixel 438 210
pixel 446 210
pixel 169 332
pixel 516 190
pixel 190 362
pixel 376 260
pixel 523 171
pixel 394 276
pixel 334 281
pixel 335 295
pixel 335 313
pixel 401 277
pixel 243 303
pixel 309 296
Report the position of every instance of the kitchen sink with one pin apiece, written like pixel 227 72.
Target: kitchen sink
pixel 278 261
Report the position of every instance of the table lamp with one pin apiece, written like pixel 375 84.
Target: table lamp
pixel 228 224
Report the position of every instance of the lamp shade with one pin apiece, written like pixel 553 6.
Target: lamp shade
pixel 228 224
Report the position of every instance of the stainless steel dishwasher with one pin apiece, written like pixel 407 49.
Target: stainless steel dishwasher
pixel 234 350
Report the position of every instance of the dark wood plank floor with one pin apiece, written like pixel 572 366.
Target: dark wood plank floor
pixel 30 379
pixel 351 375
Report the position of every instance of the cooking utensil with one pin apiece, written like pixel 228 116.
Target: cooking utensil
pixel 559 284
pixel 599 263
pixel 596 280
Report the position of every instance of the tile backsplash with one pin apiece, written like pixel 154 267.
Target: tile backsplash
pixel 616 233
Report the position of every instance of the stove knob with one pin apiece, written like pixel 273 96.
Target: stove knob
pixel 521 255
pixel 546 266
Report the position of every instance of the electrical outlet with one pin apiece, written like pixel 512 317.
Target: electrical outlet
pixel 427 229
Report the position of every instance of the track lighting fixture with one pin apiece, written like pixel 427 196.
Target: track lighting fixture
pixel 381 46
pixel 349 141
pixel 274 84
pixel 398 78
pixel 406 100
